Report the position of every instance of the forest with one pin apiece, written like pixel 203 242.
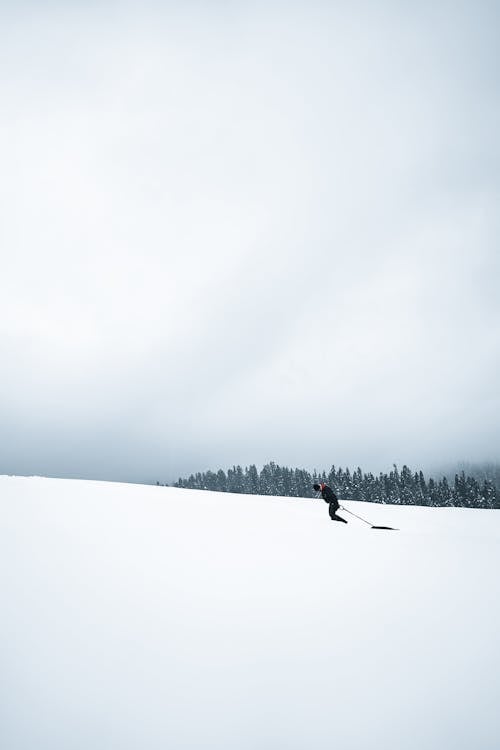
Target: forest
pixel 478 488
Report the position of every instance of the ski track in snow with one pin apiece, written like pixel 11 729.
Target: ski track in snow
pixel 150 617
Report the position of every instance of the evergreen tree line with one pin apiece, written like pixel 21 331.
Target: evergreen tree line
pixel 400 487
pixel 480 471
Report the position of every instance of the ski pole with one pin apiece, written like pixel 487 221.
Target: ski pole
pixel 388 528
pixel 354 514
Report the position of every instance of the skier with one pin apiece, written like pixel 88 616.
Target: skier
pixel 329 497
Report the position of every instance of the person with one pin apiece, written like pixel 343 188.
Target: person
pixel 329 497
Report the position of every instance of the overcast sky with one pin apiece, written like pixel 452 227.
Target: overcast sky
pixel 242 232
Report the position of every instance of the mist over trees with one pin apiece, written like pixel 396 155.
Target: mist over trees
pixel 480 471
pixel 400 487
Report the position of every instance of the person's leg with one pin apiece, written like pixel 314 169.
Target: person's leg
pixel 333 515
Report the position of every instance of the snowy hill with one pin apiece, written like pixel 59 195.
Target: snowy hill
pixel 150 617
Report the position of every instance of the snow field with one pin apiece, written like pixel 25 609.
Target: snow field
pixel 150 617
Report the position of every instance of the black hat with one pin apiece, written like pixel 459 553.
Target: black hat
pixel 316 487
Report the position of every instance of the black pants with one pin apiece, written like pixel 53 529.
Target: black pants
pixel 333 508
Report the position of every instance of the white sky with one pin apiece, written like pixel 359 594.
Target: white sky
pixel 235 233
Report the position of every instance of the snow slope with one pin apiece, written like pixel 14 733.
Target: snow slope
pixel 150 617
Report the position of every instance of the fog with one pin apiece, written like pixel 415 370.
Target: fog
pixel 236 233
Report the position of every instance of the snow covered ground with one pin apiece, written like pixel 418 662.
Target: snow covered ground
pixel 137 617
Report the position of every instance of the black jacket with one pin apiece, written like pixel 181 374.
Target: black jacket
pixel 329 495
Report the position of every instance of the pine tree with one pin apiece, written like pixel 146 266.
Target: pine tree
pixel 221 481
pixel 253 480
